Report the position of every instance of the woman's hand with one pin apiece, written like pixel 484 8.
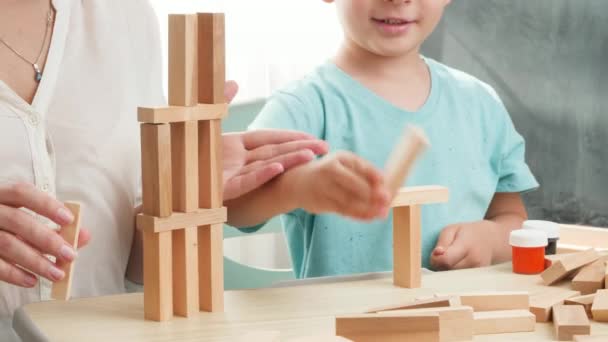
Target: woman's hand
pixel 24 240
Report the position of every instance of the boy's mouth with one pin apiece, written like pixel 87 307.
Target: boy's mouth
pixel 393 26
pixel 391 21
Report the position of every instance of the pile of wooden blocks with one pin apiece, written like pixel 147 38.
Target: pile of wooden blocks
pixel 444 317
pixel 571 310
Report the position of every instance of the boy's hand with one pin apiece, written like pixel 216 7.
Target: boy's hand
pixel 465 245
pixel 342 183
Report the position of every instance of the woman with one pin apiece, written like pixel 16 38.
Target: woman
pixel 71 76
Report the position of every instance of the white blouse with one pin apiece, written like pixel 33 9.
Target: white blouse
pixel 79 140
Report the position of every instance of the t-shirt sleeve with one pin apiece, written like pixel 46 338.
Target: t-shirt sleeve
pixel 286 110
pixel 514 175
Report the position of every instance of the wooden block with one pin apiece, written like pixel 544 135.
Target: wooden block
pixel 455 322
pixel 586 301
pixel 562 268
pixel 158 115
pixel 420 195
pixel 373 327
pixel 156 170
pixel 501 322
pixel 317 338
pixel 541 303
pixel 61 289
pixel 183 60
pixel 262 336
pixel 184 154
pixel 435 302
pixel 411 145
pixel 211 267
pixel 176 221
pixel 591 277
pixel 570 320
pixel 495 301
pixel 407 253
pixel 211 58
pixel 185 272
pixel 606 276
pixel 599 309
pixel 210 164
pixel 158 275
pixel 588 338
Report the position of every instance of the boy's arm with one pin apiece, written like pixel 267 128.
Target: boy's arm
pixel 341 183
pixel 481 243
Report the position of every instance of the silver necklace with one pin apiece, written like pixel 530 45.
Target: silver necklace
pixel 37 71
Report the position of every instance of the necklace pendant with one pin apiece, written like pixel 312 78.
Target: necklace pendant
pixel 38 76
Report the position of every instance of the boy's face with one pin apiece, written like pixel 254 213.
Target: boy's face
pixel 389 28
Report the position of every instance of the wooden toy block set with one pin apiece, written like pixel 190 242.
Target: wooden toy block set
pixel 183 217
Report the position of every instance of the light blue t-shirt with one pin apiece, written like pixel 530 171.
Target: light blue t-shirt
pixel 475 152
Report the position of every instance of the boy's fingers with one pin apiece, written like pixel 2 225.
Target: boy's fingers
pixel 261 137
pixel 271 151
pixel 288 161
pixel 243 184
pixel 446 238
pixel 26 195
pixel 352 184
pixel 454 254
pixel 230 90
pixel 362 167
pixel 464 263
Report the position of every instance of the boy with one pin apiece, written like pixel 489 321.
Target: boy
pixel 360 101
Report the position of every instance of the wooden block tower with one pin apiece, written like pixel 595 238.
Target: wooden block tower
pixel 181 150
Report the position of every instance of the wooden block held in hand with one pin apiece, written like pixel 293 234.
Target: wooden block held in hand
pixel 570 320
pixel 560 269
pixel 495 300
pixel 599 309
pixel 586 301
pixel 500 322
pixel 591 277
pixel 61 289
pixel 541 304
pixel 434 302
pixel 374 327
pixel 409 148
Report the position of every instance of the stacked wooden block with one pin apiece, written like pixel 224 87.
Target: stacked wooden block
pixel 183 217
pixel 571 310
pixel 441 318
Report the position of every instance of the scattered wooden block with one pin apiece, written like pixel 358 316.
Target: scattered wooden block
pixel 418 195
pixel 599 309
pixel 591 277
pixel 455 323
pixel 570 320
pixel 560 269
pixel 494 300
pixel 374 327
pixel 61 289
pixel 588 338
pixel 407 248
pixel 541 304
pixel 434 302
pixel 413 142
pixel 500 322
pixel 586 301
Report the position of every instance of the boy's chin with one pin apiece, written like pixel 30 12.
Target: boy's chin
pixel 394 50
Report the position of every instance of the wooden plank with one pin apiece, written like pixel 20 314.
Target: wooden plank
pixel 586 301
pixel 588 237
pixel 588 338
pixel 211 267
pixel 434 302
pixel 420 195
pixel 407 252
pixel 62 289
pixel 591 277
pixel 156 170
pixel 183 60
pixel 570 320
pixel 373 327
pixel 201 217
pixel 170 114
pixel 494 300
pixel 210 164
pixel 606 276
pixel 185 272
pixel 501 322
pixel 262 335
pixel 316 338
pixel 158 275
pixel 541 304
pixel 211 58
pixel 599 309
pixel 399 164
pixel 184 154
pixel 455 322
pixel 562 268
